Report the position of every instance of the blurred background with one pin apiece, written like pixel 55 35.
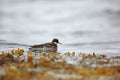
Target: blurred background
pixel 81 25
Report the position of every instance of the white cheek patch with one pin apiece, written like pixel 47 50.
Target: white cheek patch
pixel 55 42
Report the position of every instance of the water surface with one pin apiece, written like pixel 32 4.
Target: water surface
pixel 81 25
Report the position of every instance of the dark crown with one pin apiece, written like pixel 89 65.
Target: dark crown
pixel 55 40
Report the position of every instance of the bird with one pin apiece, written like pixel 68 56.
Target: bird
pixel 45 47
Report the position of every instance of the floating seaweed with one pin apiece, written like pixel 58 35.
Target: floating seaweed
pixel 57 66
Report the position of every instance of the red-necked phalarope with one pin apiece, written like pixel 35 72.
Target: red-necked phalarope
pixel 46 47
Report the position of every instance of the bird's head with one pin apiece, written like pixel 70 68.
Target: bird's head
pixel 55 41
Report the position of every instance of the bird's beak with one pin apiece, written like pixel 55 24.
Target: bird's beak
pixel 59 43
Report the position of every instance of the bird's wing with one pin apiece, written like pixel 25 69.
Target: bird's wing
pixel 41 45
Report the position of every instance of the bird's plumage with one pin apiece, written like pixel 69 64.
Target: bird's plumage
pixel 45 48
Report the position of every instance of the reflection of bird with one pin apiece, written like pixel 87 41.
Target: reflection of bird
pixel 46 47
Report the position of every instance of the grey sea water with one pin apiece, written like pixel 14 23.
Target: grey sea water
pixel 81 25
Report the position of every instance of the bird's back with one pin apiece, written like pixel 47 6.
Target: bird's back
pixel 43 48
